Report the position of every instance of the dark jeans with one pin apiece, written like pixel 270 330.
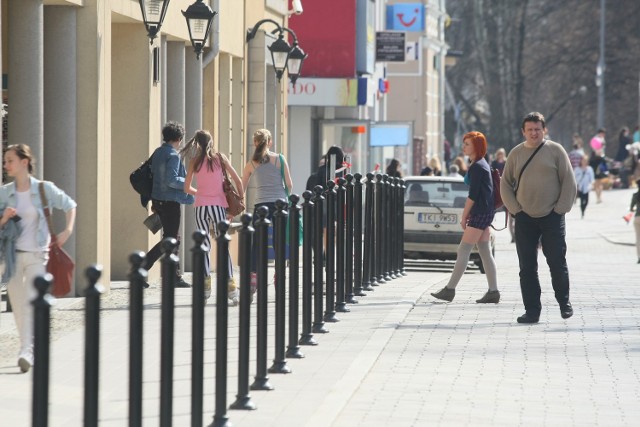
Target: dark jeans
pixel 529 231
pixel 254 249
pixel 584 201
pixel 169 213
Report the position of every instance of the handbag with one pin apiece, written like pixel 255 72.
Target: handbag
pixel 286 190
pixel 235 202
pixel 60 264
pixel 153 223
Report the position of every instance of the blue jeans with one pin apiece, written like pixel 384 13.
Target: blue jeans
pixel 550 231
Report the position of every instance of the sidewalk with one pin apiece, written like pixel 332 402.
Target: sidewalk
pixel 399 357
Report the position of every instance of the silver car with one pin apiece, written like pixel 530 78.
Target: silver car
pixel 433 206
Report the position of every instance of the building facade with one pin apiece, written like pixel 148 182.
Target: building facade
pixel 89 94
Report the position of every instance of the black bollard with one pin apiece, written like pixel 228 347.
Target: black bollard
pixel 279 233
pixel 41 341
pixel 402 190
pixel 306 337
pixel 398 217
pixel 220 418
pixel 318 262
pixel 92 346
pixel 349 297
pixel 293 349
pixel 341 305
pixel 385 228
pixel 357 236
pixel 199 251
pixel 169 268
pixel 137 280
pixel 368 236
pixel 245 237
pixel 391 235
pixel 330 259
pixel 378 274
pixel 261 380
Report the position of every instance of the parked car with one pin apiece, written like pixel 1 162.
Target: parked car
pixel 433 206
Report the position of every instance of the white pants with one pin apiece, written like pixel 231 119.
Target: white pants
pixel 22 291
pixel 636 225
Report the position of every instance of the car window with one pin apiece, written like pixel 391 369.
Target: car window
pixel 434 193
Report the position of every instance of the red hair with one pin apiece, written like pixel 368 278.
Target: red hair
pixel 479 143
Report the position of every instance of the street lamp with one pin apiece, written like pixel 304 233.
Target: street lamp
pixel 199 17
pixel 283 55
pixel 280 50
pixel 294 63
pixel 153 12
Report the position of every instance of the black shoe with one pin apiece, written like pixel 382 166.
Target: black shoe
pixel 528 318
pixel 566 310
pixel 445 294
pixel 145 284
pixel 180 283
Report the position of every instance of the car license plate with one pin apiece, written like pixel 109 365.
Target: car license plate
pixel 437 218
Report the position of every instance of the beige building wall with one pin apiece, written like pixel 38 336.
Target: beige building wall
pixel 119 111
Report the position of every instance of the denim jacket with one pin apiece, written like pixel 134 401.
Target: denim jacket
pixel 168 176
pixel 56 198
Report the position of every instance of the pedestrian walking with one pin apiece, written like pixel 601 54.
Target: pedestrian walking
pixel 624 140
pixel 208 167
pixel 393 169
pixel 453 170
pixel 25 253
pixel 598 163
pixel 584 180
pixel 462 165
pixel 168 192
pixel 477 216
pixel 500 160
pixel 436 166
pixel 539 198
pixel 598 141
pixel 577 153
pixel 264 168
pixel 635 206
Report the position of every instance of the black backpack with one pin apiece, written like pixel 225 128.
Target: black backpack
pixel 142 179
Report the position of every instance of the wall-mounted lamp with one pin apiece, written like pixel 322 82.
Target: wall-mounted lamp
pixel 199 17
pixel 283 55
pixel 153 12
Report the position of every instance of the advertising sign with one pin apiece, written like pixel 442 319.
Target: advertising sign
pixel 405 17
pixel 384 134
pixel 324 92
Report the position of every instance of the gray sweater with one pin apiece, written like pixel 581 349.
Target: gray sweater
pixel 547 184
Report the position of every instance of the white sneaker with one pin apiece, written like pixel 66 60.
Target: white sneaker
pixel 25 360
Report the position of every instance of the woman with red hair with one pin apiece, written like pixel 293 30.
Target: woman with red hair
pixel 476 218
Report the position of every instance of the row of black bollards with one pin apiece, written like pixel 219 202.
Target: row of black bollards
pixel 352 245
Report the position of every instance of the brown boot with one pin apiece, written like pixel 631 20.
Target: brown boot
pixel 445 294
pixel 491 297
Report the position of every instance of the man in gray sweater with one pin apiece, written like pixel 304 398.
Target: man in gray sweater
pixel 539 197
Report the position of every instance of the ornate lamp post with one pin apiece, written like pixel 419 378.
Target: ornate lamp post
pixel 153 12
pixel 283 55
pixel 199 17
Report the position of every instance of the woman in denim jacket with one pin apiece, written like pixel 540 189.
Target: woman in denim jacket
pixel 21 202
pixel 168 191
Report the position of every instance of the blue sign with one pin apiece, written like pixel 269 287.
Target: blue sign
pixel 405 17
pixel 385 134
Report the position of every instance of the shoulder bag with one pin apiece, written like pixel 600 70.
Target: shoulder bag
pixel 60 264
pixel 517 183
pixel 286 190
pixel 235 202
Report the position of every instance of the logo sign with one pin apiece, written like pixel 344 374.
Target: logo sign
pixel 390 46
pixel 324 92
pixel 405 17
